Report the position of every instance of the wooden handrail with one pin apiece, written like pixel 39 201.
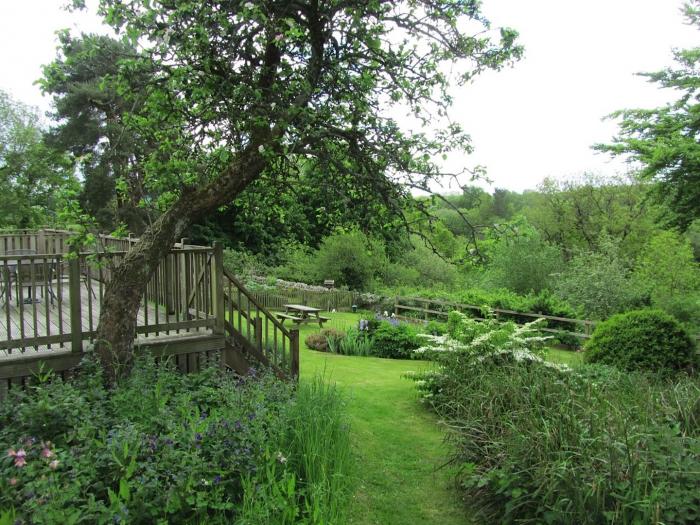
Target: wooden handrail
pixel 239 286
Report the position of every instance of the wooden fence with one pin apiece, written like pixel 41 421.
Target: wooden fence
pixel 330 300
pixel 427 309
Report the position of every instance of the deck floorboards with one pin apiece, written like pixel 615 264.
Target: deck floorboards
pixel 52 318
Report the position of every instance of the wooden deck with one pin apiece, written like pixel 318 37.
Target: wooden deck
pixel 51 318
pixel 195 308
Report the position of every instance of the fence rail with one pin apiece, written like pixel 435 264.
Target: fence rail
pixel 330 300
pixel 430 308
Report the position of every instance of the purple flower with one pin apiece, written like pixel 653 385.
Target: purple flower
pixel 217 480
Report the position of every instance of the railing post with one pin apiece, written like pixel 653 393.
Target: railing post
pixel 170 283
pixel 258 333
pixel 218 288
pixel 41 242
pixel 294 350
pixel 76 324
pixel 182 280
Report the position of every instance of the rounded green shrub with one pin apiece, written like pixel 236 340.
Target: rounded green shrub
pixel 395 341
pixel 643 340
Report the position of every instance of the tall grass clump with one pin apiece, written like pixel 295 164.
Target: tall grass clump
pixel 319 446
pixel 542 443
pixel 355 342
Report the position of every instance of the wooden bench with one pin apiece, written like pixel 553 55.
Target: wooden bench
pixel 294 318
pixel 300 320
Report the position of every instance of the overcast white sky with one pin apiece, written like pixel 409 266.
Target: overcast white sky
pixel 538 119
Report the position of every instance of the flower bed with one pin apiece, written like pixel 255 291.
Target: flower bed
pixel 166 447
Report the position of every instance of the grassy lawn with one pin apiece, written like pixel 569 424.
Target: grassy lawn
pixel 397 443
pixel 567 357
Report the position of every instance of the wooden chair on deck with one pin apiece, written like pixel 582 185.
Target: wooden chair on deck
pixel 28 273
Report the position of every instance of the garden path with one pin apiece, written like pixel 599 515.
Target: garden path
pixel 398 444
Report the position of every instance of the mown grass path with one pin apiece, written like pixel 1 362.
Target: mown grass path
pixel 398 444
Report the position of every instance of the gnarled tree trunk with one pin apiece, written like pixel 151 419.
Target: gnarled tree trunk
pixel 116 330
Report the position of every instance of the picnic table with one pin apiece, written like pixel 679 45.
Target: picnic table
pixel 300 314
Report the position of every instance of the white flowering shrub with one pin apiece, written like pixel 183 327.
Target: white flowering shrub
pixel 470 343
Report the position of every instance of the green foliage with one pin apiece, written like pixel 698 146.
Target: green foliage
pixel 279 96
pixel 648 340
pixel 244 265
pixel 166 447
pixel 542 443
pixel 577 213
pixel 598 282
pixel 435 328
pixel 668 273
pixel 521 260
pixel 355 342
pixel 419 265
pixel 310 482
pixel 91 113
pixel 665 139
pixel 396 341
pixel 351 259
pixel 31 172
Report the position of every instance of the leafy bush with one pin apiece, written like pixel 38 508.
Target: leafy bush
pixel 350 259
pixel 642 340
pixel 435 328
pixel 163 447
pixel 541 443
pixel 327 340
pixel 599 283
pixel 521 260
pixel 244 264
pixel 394 341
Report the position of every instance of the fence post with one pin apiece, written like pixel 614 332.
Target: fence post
pixel 218 288
pixel 396 306
pixel 294 349
pixel 76 324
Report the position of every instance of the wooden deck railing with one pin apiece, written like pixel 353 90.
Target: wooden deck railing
pixel 51 304
pixel 52 300
pixel 247 318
